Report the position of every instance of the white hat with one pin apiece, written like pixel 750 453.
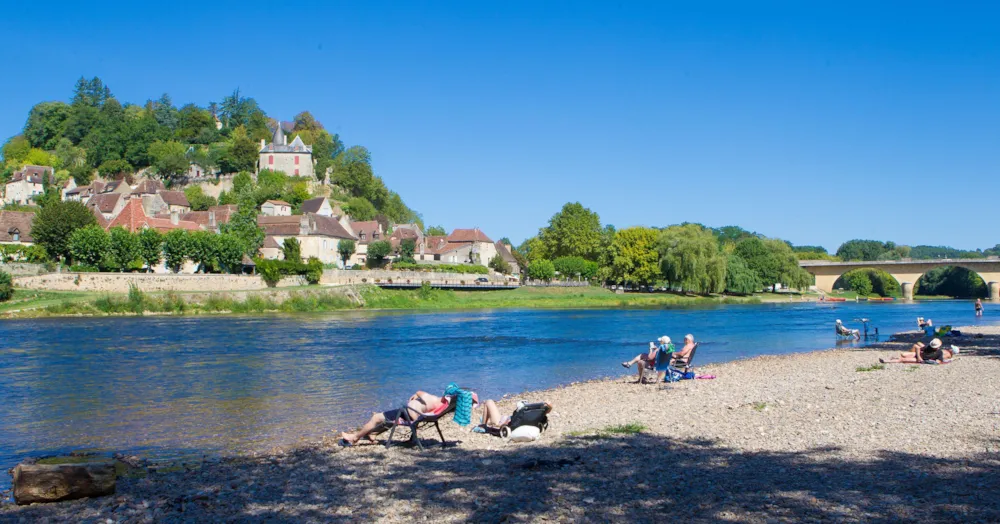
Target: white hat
pixel 689 336
pixel 936 343
pixel 664 339
pixel 652 345
pixel 838 321
pixel 955 350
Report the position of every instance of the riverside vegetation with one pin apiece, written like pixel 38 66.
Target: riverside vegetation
pixel 29 303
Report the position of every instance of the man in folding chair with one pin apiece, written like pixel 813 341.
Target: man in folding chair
pixel 420 403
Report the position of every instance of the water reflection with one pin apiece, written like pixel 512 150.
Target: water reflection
pixel 166 387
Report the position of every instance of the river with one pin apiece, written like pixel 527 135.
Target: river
pixel 170 388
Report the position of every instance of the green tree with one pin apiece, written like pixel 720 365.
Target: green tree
pixel 634 260
pixel 436 231
pixel 53 225
pixel 241 154
pixel 198 199
pixel 46 124
pixel 498 264
pixel 377 251
pixel 202 250
pixel 740 279
pixel 534 249
pixel 691 260
pixel 292 250
pixel 345 248
pixel 169 158
pixel 195 126
pixel 89 245
pixel 123 250
pixel 243 225
pixel 863 250
pixel 573 231
pixel 407 248
pixel 359 209
pixel 6 286
pixel 861 284
pixel 70 157
pixel 150 247
pixel 15 150
pixel 570 267
pixel 165 113
pixel 229 252
pixel 541 270
pixel 732 234
pixel 114 168
pixel 176 249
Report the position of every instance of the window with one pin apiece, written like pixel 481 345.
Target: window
pixel 362 236
pixel 16 234
pixel 270 160
pixel 374 235
pixel 296 159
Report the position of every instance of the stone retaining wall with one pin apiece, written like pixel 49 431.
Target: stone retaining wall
pixel 19 269
pixel 119 282
pixel 370 276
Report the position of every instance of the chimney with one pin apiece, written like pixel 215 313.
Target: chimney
pixel 175 217
pixel 304 225
pixel 284 139
pixel 509 248
pixel 262 143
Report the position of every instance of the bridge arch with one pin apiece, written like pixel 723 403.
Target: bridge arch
pixel 887 286
pixel 906 272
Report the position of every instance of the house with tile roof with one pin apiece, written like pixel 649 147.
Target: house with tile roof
pixel 506 252
pixel 276 208
pixel 109 205
pixel 26 184
pixel 402 232
pixel 319 206
pixel 134 219
pixel 293 159
pixel 462 246
pixel 15 227
pixel 318 236
pixel 176 201
pixel 366 232
pixel 148 186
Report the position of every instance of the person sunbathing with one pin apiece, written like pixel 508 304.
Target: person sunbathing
pixel 491 417
pixel 683 357
pixel 922 353
pixel 648 360
pixel 420 403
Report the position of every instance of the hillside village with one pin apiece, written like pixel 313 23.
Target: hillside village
pixel 319 225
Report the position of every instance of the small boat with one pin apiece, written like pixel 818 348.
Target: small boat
pixel 834 299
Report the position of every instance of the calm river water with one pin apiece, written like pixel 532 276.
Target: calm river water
pixel 168 388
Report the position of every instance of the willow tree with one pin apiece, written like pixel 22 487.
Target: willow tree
pixel 690 259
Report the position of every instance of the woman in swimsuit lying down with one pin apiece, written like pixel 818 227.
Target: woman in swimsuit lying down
pixel 920 353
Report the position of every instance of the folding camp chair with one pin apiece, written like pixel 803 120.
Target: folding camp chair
pixel 679 366
pixel 414 424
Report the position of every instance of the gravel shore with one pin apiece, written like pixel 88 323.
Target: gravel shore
pixel 805 437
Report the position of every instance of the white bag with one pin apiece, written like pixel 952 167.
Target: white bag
pixel 525 433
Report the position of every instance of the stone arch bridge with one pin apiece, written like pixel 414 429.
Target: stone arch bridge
pixel 905 271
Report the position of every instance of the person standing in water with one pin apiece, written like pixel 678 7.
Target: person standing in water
pixel 979 307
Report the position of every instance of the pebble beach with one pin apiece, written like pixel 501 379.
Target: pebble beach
pixel 821 436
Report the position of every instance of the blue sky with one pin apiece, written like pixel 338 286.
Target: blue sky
pixel 814 124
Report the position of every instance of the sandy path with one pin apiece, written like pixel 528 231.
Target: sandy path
pixel 791 438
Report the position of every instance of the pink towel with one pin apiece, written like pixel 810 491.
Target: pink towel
pixel 705 377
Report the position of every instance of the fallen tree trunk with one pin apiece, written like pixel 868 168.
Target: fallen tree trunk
pixel 51 483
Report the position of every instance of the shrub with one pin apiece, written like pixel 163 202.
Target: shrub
pixel 861 284
pixel 6 286
pixel 541 270
pixel 314 271
pixel 136 299
pixel 269 271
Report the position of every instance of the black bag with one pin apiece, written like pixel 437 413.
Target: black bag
pixel 531 415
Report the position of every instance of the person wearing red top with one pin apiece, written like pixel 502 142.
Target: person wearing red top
pixel 420 403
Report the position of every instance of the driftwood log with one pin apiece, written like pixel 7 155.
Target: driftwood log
pixel 51 483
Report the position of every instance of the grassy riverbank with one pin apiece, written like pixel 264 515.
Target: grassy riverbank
pixel 28 304
pixel 827 436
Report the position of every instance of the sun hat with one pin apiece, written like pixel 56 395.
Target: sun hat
pixel 838 321
pixel 664 339
pixel 955 350
pixel 936 343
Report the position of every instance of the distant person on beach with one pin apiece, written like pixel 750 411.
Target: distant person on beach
pixel 929 330
pixel 683 357
pixel 420 403
pixel 648 360
pixel 979 307
pixel 921 322
pixel 921 353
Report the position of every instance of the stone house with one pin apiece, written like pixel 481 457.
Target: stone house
pixel 210 220
pixel 116 186
pixel 276 208
pixel 15 227
pixel 176 201
pixel 319 206
pixel 406 231
pixel 366 232
pixel 83 193
pixel 293 159
pixel 318 235
pixel 108 204
pixel 462 246
pixel 26 184
pixel 67 186
pixel 505 251
pixel 148 186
